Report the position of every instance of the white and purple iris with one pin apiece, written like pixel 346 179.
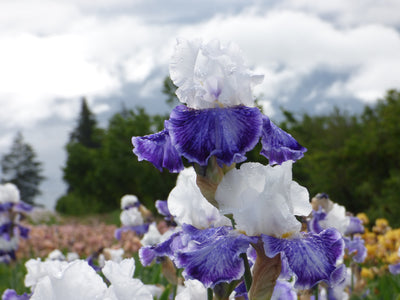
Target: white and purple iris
pixel 264 212
pixel 333 215
pixel 11 210
pixel 219 118
pixel 131 217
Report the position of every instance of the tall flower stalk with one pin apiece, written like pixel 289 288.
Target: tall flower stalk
pixel 232 216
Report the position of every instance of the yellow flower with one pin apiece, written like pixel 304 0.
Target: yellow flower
pixel 367 273
pixel 363 217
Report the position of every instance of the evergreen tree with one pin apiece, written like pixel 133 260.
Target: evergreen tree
pixel 21 167
pixel 86 132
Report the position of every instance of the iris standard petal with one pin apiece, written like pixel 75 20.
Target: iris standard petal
pixel 278 145
pixel 312 258
pixel 157 149
pixel 227 133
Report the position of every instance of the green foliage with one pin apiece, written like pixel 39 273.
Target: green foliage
pixel 353 158
pixel 12 277
pixel 21 167
pixel 99 177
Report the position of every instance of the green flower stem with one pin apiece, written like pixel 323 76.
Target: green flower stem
pixel 247 273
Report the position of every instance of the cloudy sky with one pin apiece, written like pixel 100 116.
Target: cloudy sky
pixel 314 55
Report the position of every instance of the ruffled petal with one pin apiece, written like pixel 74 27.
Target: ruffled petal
pixel 313 224
pixel 213 255
pixel 12 295
pixel 284 290
pixel 311 258
pixel 227 133
pixel 157 149
pixel 355 226
pixel 356 246
pixel 278 145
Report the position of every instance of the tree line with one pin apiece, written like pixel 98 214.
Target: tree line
pixel 353 158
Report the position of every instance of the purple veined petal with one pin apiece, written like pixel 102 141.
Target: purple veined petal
pixel 23 231
pixel 167 248
pixel 286 272
pixel 157 149
pixel 5 230
pixel 162 208
pixel 356 245
pixel 139 229
pixel 241 291
pixel 278 145
pixel 23 207
pixel 213 255
pixel 227 133
pixel 355 226
pixel 313 223
pixel 12 295
pixel 312 258
pixel 283 290
pixel 394 269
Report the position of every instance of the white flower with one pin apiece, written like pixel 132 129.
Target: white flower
pixel 336 218
pixel 151 237
pixel 71 256
pixel 55 255
pixel 263 199
pixel 193 290
pixel 188 205
pixel 131 217
pixel 128 200
pixel 65 281
pixel 123 285
pixel 9 193
pixel 115 255
pixel 207 73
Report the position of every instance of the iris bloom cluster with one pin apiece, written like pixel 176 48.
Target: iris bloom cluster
pixel 231 219
pixel 12 209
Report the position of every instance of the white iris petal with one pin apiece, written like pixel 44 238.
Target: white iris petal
pixel 263 199
pixel 188 205
pixel 206 73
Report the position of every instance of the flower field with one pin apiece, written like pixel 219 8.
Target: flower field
pixel 229 229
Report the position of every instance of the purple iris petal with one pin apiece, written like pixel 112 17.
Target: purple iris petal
pixel 162 208
pixel 394 269
pixel 355 226
pixel 213 255
pixel 167 248
pixel 227 133
pixel 356 245
pixel 312 258
pixel 5 206
pixel 139 229
pixel 277 145
pixel 157 149
pixel 23 207
pixel 283 290
pixel 313 224
pixel 5 230
pixel 12 295
pixel 241 291
pixel 23 231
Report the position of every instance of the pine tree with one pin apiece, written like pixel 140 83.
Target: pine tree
pixel 21 167
pixel 86 131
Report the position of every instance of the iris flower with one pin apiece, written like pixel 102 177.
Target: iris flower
pixel 219 118
pixel 264 213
